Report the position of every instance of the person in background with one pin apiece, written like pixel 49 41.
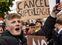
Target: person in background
pixel 24 29
pixel 2 25
pixel 38 26
pixel 13 34
pixel 54 37
pixel 52 22
pixel 31 29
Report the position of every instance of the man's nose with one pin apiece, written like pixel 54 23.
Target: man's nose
pixel 17 24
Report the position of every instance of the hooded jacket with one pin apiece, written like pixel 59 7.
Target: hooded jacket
pixel 8 39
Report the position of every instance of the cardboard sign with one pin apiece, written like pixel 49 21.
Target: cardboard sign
pixel 33 9
pixel 36 40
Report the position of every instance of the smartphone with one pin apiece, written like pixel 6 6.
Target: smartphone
pixel 57 1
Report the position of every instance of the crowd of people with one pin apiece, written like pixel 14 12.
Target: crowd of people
pixel 31 27
pixel 13 30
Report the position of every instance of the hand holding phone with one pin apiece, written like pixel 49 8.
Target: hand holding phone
pixel 57 8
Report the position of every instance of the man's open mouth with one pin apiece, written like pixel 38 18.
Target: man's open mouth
pixel 17 29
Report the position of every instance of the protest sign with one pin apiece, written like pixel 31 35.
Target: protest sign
pixel 33 8
pixel 36 40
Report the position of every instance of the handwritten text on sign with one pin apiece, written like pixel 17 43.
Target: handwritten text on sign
pixel 36 40
pixel 33 7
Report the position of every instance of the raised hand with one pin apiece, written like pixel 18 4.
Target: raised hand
pixel 56 9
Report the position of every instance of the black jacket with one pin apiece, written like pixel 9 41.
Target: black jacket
pixel 8 39
pixel 48 31
pixel 47 28
pixel 51 33
pixel 60 38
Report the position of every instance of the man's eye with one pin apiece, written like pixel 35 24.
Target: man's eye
pixel 19 21
pixel 13 22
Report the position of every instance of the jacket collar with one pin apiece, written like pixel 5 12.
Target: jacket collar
pixel 59 30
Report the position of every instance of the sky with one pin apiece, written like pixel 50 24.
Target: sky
pixel 13 9
pixel 51 4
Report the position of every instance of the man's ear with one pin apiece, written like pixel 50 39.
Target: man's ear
pixel 7 28
pixel 6 22
pixel 7 25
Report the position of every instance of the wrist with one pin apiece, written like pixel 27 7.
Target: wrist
pixel 53 15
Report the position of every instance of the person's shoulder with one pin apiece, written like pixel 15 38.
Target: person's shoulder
pixel 8 40
pixel 61 32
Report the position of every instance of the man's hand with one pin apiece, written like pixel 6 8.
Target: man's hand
pixel 56 9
